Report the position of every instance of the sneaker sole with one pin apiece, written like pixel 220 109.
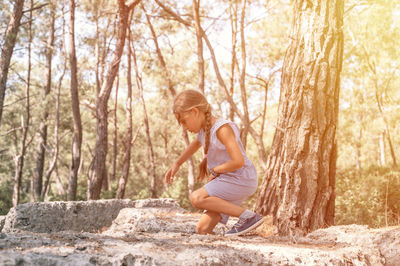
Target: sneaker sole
pixel 257 224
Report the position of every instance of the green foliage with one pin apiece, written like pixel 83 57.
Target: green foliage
pixel 6 191
pixel 371 196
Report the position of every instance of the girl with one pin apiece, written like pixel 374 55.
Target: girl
pixel 232 177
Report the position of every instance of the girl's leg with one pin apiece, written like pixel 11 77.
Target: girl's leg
pixel 201 200
pixel 207 222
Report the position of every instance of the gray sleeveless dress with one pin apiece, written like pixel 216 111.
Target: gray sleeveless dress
pixel 233 186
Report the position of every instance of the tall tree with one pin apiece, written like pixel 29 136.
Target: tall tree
pixel 150 149
pixel 380 88
pixel 172 90
pixel 126 160
pixel 77 136
pixel 55 150
pixel 25 121
pixel 98 170
pixel 299 184
pixel 115 136
pixel 233 11
pixel 196 15
pixel 10 39
pixel 242 79
pixel 41 149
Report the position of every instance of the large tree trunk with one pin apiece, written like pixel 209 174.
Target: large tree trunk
pixel 41 149
pixel 8 47
pixel 299 185
pixel 98 170
pixel 19 159
pixel 77 136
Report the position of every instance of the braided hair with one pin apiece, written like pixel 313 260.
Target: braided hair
pixel 187 100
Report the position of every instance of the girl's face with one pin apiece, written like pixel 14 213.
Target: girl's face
pixel 191 120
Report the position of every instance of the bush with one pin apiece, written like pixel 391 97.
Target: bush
pixel 370 196
pixel 6 192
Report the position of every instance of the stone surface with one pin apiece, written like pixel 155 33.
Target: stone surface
pixel 160 232
pixel 46 217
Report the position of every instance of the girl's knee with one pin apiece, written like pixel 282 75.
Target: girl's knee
pixel 195 199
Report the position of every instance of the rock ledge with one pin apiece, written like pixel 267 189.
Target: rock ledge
pixel 160 232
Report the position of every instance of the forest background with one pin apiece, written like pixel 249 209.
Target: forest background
pixel 163 58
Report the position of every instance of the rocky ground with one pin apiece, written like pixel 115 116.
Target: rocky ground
pixel 160 232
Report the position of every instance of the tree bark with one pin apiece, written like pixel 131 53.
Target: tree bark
pixel 10 39
pixel 19 159
pixel 299 186
pixel 98 170
pixel 77 136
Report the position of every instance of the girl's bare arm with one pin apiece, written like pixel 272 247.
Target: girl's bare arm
pixel 189 151
pixel 226 135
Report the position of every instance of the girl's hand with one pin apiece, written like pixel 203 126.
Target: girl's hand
pixel 211 177
pixel 169 176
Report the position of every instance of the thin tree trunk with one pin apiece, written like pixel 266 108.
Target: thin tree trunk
pixel 41 149
pixel 126 160
pixel 379 104
pixel 53 163
pixel 98 170
pixel 173 93
pixel 242 79
pixel 77 136
pixel 146 124
pixel 19 160
pixel 358 152
pixel 299 185
pixel 97 50
pixel 233 18
pixel 196 14
pixel 8 47
pixel 387 129
pixel 382 148
pixel 115 137
pixel 60 187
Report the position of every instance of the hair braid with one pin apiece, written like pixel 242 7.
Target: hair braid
pixel 203 172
